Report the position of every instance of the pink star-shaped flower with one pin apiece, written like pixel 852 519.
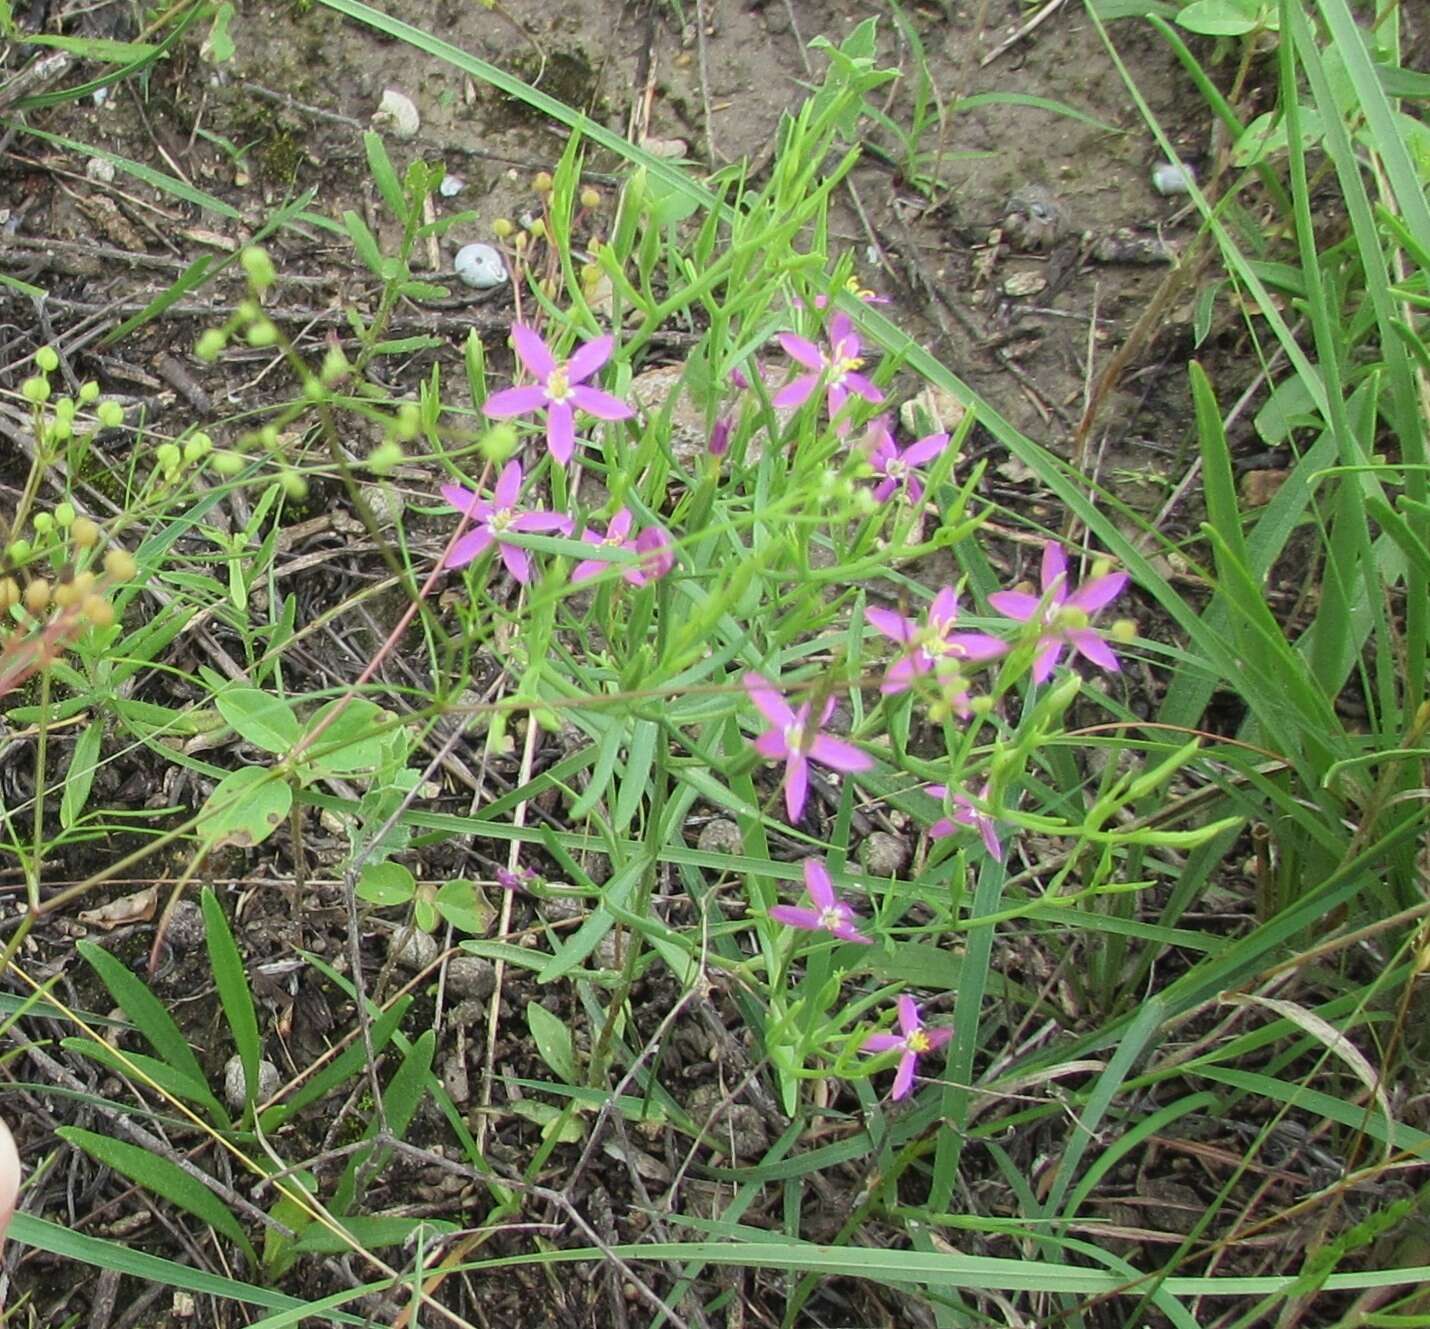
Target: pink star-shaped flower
pixel 964 814
pixel 829 914
pixel 934 644
pixel 914 1040
pixel 839 369
pixel 898 468
pixel 1064 619
pixel 796 740
pixel 561 389
pixel 653 544
pixel 498 520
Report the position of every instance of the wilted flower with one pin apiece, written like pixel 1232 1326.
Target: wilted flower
pixel 829 914
pixel 796 740
pixel 964 814
pixel 499 520
pixel 913 1041
pixel 561 389
pixel 898 468
pixel 932 645
pixel 519 881
pixel 839 369
pixel 1063 619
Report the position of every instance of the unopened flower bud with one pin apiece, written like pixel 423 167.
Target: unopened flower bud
pixel 383 458
pixel 64 514
pixel 542 182
pixel 210 345
pixel 720 437
pixel 18 551
pixel 44 523
pixel 1124 630
pixel 88 392
pixel 498 443
pixel 168 456
pixel 65 595
pixel 119 564
pixel 227 463
pixel 111 414
pixel 9 594
pixel 35 390
pixel 84 534
pixel 47 359
pixel 84 582
pixel 197 447
pixel 97 610
pixel 37 596
pixel 259 267
pixel 590 198
pixel 502 228
pixel 262 332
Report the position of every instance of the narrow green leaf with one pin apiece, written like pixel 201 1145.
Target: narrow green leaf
pixel 640 755
pixel 384 176
pixel 79 779
pixel 233 992
pixel 162 1177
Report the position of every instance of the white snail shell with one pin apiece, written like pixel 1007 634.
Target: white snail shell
pixel 480 266
pixel 1173 178
pixel 397 114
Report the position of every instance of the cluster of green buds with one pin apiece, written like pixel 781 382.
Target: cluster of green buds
pixel 56 417
pixel 41 616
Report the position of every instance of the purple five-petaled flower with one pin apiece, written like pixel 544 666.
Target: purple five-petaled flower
pixel 652 544
pixel 897 468
pixel 830 914
pixel 499 520
pixel 914 1040
pixel 839 369
pixel 1063 619
pixel 561 389
pixel 796 740
pixel 933 645
pixel 964 814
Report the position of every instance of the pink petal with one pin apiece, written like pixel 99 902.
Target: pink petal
pixel 657 555
pixel 589 358
pixel 1046 660
pixel 900 675
pixel 1099 592
pixel 860 386
pixel 991 841
pixel 601 404
pixel 839 755
pixel 841 330
pixel 768 701
pixel 807 920
pixel 882 1043
pixel 796 393
pixel 806 352
pixel 894 626
pixel 620 525
pixel 540 521
pixel 908 1015
pixel 1055 568
pixel 514 401
pixel 926 449
pixel 937 1038
pixel 468 547
pixel 818 884
pixel 1089 645
pixel 508 488
pixel 587 569
pixel 796 785
pixel 1015 604
pixel 534 353
pixel 977 646
pixel 848 932
pixel 516 562
pixel 904 1076
pixel 771 745
pixel 464 500
pixel 561 432
pixel 944 608
pixel 943 828
pixel 884 489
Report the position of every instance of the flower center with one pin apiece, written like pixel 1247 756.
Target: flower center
pixel 896 469
pixel 558 387
pixel 500 519
pixel 1070 618
pixel 833 917
pixel 844 365
pixel 794 736
pixel 613 539
pixel 918 1042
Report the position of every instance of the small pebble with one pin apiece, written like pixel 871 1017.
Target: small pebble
pixel 1173 178
pixel 471 976
pixel 451 186
pixel 235 1084
pixel 885 855
pixel 100 170
pixel 186 926
pixel 412 949
pixel 397 113
pixel 480 266
pixel 721 836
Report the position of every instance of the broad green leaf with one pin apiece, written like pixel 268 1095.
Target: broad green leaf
pixel 1219 18
pixel 162 1177
pixel 553 1041
pixel 245 808
pixel 385 884
pixel 464 906
pixel 80 776
pixel 265 720
pixel 356 740
pixel 233 992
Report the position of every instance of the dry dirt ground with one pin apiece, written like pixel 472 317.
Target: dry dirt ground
pixel 1030 324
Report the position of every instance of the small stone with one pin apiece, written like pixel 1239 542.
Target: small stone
pixel 885 855
pixel 720 836
pixel 1031 220
pixel 235 1083
pixel 186 926
pixel 1173 178
pixel 412 949
pixel 471 976
pixel 1024 284
pixel 397 114
pixel 100 170
pixel 480 267
pixel 451 186
pixel 942 411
